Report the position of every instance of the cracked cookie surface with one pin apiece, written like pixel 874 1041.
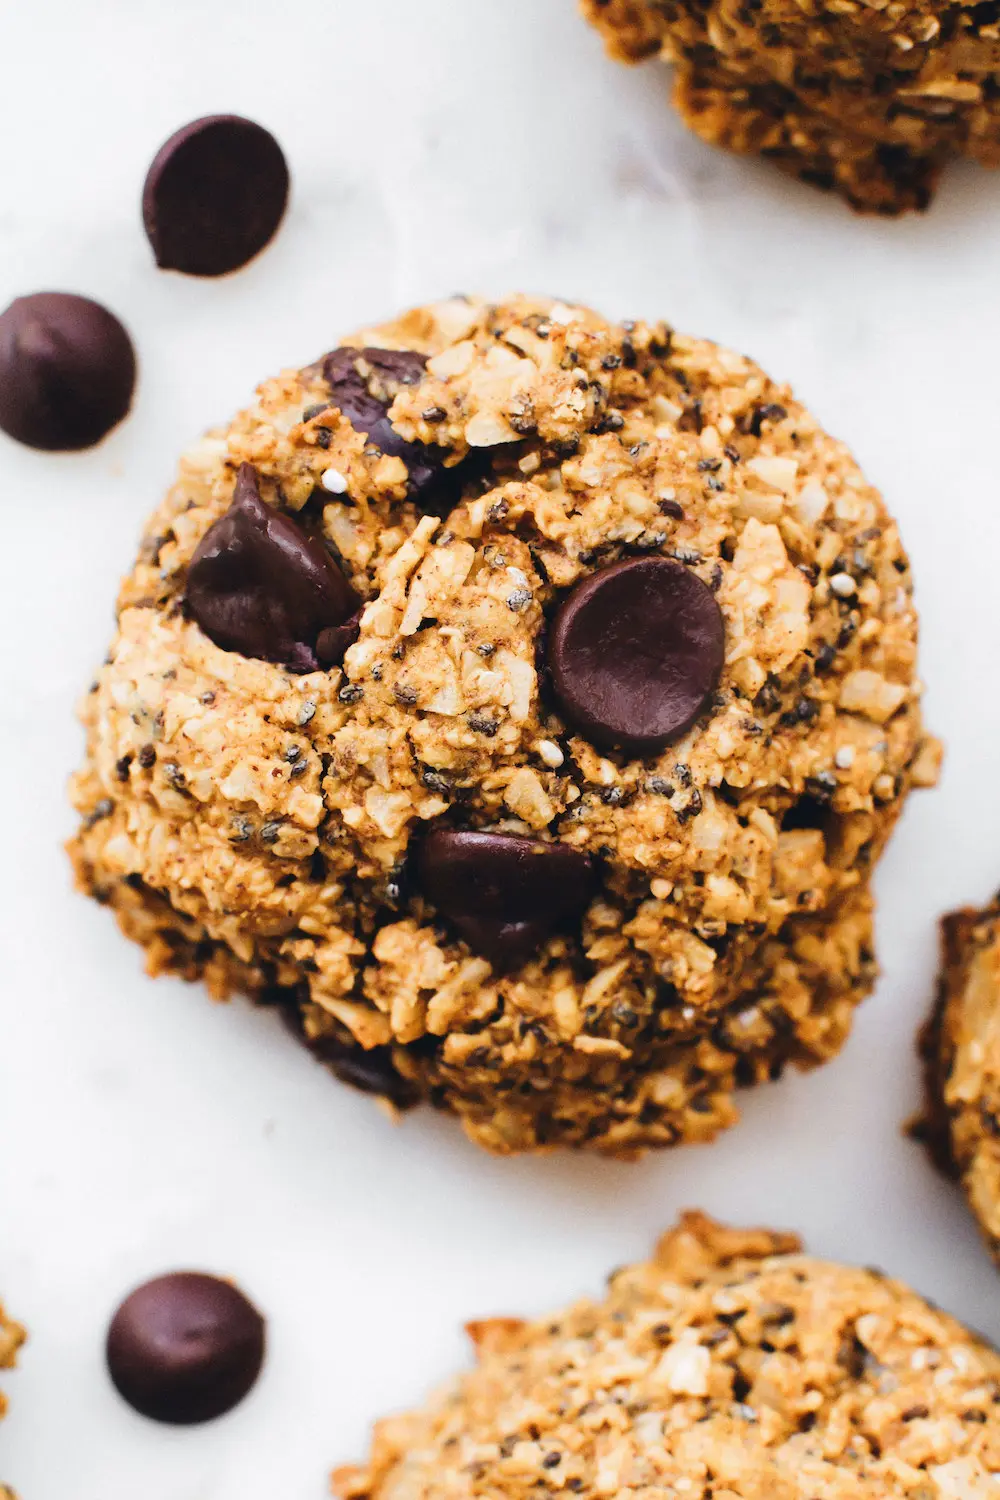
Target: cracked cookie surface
pixel 871 101
pixel 729 1364
pixel 960 1045
pixel 471 468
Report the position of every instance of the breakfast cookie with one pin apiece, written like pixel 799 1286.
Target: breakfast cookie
pixel 730 1364
pixel 869 100
pixel 12 1336
pixel 960 1045
pixel 521 701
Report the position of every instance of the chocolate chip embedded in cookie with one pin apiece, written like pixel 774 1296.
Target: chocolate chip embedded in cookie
pixel 732 1358
pixel 363 384
pixel 67 371
pixel 259 585
pixel 863 100
pixel 185 1348
pixel 214 195
pixel 527 720
pixel 960 1045
pixel 505 893
pixel 635 653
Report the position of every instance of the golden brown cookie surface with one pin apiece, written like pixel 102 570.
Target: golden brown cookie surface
pixel 276 826
pixel 12 1336
pixel 961 1050
pixel 730 1363
pixel 869 100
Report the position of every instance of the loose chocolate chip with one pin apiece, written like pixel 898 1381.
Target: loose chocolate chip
pixel 635 653
pixel 504 893
pixel 257 584
pixel 185 1348
pixel 214 195
pixel 67 371
pixel 364 383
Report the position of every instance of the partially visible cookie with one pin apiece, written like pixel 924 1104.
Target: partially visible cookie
pixel 960 1045
pixel 730 1365
pixel 12 1336
pixel 868 100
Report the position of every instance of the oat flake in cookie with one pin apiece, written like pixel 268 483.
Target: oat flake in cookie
pixel 487 844
pixel 871 101
pixel 731 1364
pixel 960 1045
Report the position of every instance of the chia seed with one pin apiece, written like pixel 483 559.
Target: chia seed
pixel 661 788
pixel 102 809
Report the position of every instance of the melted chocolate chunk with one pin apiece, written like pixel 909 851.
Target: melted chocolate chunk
pixel 635 653
pixel 185 1348
pixel 363 383
pixel 259 585
pixel 67 371
pixel 503 893
pixel 332 642
pixel 214 195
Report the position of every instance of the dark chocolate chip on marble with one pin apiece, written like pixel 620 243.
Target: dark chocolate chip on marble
pixel 260 585
pixel 363 383
pixel 185 1348
pixel 504 893
pixel 67 371
pixel 214 195
pixel 635 653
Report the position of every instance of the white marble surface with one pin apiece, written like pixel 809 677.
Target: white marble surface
pixel 481 144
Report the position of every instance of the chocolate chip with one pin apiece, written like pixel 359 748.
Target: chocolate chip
pixel 503 893
pixel 635 653
pixel 67 371
pixel 214 195
pixel 185 1348
pixel 259 585
pixel 332 642
pixel 370 1072
pixel 364 383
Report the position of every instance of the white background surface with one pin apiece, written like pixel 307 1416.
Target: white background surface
pixel 447 145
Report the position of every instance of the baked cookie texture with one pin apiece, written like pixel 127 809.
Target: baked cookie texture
pixel 868 99
pixel 260 828
pixel 960 1045
pixel 730 1364
pixel 12 1336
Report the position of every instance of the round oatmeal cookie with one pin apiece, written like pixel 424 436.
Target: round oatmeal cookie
pixel 521 701
pixel 960 1046
pixel 730 1364
pixel 871 101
